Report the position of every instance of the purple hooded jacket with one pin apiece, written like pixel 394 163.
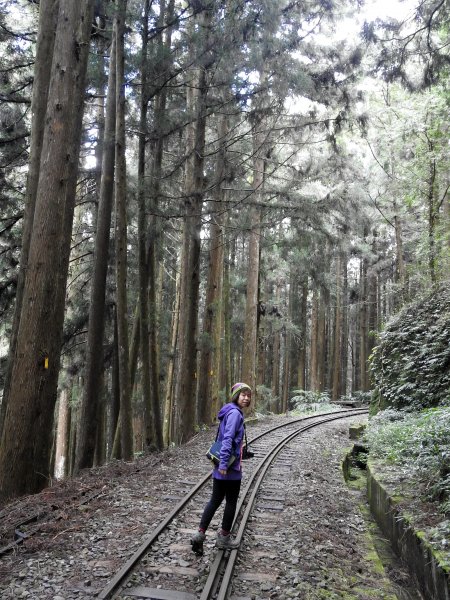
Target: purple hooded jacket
pixel 231 434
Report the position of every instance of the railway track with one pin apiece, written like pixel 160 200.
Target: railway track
pixel 151 572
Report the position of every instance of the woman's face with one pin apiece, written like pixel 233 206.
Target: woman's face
pixel 245 397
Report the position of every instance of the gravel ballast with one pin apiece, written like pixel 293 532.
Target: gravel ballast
pixel 315 545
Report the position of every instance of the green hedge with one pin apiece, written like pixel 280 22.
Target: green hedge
pixel 411 364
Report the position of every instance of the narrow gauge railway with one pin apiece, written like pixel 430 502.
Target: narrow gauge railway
pixel 263 479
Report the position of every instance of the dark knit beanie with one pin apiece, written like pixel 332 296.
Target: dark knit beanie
pixel 237 389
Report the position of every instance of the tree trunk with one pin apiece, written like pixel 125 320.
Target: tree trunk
pixel 250 348
pixel 153 251
pixel 432 220
pixel 276 352
pixel 321 340
pixel 355 337
pixel 94 350
pixel 168 403
pixel 251 305
pixel 286 371
pixel 261 358
pixel 344 336
pixel 100 417
pixel 226 378
pixel 363 382
pixel 114 396
pixel 287 336
pixel 400 263
pixel 134 347
pixel 294 316
pixel 301 381
pixel 313 363
pixel 190 266
pixel 208 375
pixel 372 305
pixel 63 433
pixel 336 379
pixel 209 370
pixel 25 444
pixel 48 14
pixel 126 423
pixel 75 396
pixel 142 237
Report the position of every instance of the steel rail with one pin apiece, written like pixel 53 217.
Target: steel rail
pixel 221 570
pixel 120 576
pixel 344 412
pixel 137 555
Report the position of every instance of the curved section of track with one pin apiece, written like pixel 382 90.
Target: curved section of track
pixel 130 580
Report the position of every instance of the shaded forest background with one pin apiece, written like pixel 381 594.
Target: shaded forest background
pixel 195 193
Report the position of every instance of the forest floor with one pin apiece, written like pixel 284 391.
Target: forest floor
pixel 325 547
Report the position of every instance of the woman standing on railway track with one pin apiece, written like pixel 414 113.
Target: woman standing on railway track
pixel 226 479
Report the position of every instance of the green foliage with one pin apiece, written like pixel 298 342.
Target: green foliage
pixel 411 364
pixel 307 400
pixel 420 442
pixel 266 399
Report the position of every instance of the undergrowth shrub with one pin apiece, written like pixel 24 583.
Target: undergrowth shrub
pixel 419 443
pixel 267 402
pixel 410 366
pixel 306 400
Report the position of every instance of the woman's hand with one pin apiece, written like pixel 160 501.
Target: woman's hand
pixel 223 471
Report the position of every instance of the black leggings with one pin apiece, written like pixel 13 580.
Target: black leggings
pixel 222 488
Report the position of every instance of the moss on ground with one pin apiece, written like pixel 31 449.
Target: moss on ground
pixel 379 554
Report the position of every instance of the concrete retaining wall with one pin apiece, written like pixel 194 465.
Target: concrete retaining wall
pixel 432 578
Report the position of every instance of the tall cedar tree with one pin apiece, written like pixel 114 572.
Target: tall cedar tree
pixel 87 428
pixel 190 274
pixel 126 425
pixel 28 425
pixel 48 13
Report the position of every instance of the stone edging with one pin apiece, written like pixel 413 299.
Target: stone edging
pixel 433 579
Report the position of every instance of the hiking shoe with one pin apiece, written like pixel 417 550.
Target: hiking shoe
pixel 226 542
pixel 197 542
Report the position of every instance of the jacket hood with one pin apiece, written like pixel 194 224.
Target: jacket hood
pixel 226 409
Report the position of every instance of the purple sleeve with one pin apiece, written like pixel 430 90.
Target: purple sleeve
pixel 231 426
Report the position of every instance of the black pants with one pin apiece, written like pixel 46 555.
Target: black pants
pixel 222 488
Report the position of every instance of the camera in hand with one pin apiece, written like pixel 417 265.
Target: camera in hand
pixel 246 453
